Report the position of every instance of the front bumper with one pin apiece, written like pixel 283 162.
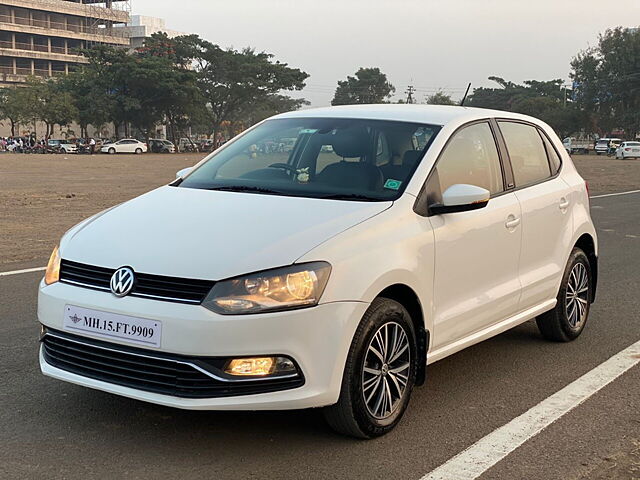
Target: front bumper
pixel 317 338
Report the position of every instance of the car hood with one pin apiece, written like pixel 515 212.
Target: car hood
pixel 194 233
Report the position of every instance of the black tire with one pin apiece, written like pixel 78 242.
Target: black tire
pixel 351 416
pixel 112 151
pixel 138 151
pixel 558 325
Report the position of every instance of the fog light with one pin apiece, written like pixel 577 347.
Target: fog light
pixel 260 366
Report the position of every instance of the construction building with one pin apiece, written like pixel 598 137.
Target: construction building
pixel 141 27
pixel 45 37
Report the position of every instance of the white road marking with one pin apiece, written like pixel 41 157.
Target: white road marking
pixel 26 270
pixel 615 194
pixel 486 452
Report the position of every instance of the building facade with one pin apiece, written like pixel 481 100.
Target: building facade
pixel 45 37
pixel 141 27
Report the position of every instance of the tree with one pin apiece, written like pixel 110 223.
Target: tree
pixel 92 102
pixel 368 86
pixel 51 103
pixel 230 81
pixel 440 98
pixel 608 81
pixel 11 107
pixel 547 100
pixel 267 107
pixel 177 97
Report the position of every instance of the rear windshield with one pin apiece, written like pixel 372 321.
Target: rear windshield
pixel 343 159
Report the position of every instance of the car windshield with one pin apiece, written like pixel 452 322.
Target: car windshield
pixel 632 144
pixel 343 159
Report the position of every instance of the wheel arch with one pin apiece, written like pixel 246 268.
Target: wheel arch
pixel 587 244
pixel 408 298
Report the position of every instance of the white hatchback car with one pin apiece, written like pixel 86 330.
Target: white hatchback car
pixel 126 145
pixel 325 277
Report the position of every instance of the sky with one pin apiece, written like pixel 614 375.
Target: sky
pixel 429 44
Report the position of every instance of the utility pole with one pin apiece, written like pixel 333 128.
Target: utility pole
pixel 564 88
pixel 409 92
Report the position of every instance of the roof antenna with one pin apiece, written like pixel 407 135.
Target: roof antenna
pixel 465 95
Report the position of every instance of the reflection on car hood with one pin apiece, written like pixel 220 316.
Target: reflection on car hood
pixel 213 235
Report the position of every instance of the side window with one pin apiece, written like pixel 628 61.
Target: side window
pixel 526 151
pixel 470 157
pixel 554 158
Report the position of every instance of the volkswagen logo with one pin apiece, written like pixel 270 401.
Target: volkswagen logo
pixel 122 281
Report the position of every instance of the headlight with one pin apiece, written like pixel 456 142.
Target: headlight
pixel 52 274
pixel 284 288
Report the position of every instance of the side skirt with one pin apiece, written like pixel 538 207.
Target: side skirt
pixel 489 332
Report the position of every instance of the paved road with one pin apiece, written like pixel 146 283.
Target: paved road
pixel 50 429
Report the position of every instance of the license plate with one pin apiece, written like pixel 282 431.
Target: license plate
pixel 110 326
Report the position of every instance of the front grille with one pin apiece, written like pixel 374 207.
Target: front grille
pixel 172 289
pixel 175 375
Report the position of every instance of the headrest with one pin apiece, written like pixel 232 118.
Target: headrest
pixel 410 158
pixel 351 142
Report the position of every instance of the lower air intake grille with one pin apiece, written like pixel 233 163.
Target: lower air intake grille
pixel 178 376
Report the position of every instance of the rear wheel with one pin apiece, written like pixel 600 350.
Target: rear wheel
pixel 138 151
pixel 379 374
pixel 567 320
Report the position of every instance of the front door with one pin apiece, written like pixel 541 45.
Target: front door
pixel 476 252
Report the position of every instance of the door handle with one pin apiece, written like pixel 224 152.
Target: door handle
pixel 564 203
pixel 512 222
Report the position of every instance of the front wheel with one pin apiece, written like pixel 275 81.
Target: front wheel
pixel 379 374
pixel 112 151
pixel 567 320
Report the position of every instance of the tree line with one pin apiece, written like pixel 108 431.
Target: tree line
pixel 604 94
pixel 184 83
pixel 188 83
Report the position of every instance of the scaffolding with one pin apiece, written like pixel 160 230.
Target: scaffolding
pixel 97 10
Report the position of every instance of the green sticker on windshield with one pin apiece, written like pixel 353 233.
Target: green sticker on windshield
pixel 308 130
pixel 392 184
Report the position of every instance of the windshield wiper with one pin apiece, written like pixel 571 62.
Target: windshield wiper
pixel 248 189
pixel 351 196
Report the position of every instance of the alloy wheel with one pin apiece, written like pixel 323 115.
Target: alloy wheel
pixel 386 370
pixel 577 295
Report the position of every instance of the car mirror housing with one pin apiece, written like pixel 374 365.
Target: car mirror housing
pixel 184 172
pixel 461 198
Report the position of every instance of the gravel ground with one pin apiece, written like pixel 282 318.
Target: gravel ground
pixel 44 195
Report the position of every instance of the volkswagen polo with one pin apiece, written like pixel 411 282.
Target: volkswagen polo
pixel 328 274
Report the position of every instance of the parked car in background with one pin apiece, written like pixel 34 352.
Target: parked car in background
pixel 629 149
pixel 329 279
pixel 607 145
pixel 185 144
pixel 126 145
pixel 574 145
pixel 160 145
pixel 63 145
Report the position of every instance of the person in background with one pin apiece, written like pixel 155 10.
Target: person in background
pixel 92 145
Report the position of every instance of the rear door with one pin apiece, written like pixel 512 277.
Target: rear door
pixel 476 252
pixel 546 210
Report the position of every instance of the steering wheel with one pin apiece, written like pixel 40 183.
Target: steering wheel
pixel 283 166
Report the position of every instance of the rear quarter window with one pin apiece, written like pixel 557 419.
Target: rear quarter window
pixel 554 158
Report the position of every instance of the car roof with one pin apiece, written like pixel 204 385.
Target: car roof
pixel 429 114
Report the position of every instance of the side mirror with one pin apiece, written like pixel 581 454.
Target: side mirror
pixel 184 172
pixel 461 198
